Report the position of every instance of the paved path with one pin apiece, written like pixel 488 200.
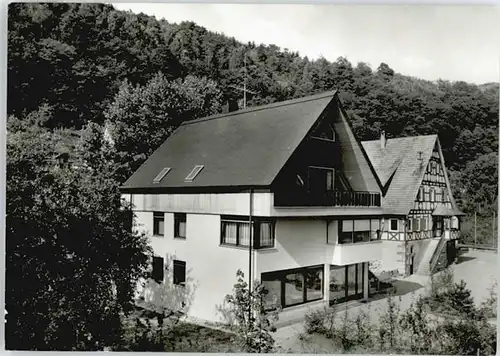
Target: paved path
pixel 479 269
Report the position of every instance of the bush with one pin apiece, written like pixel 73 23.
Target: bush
pixel 314 322
pixel 489 306
pixel 467 337
pixel 389 331
pixel 442 282
pixel 347 333
pixel 250 320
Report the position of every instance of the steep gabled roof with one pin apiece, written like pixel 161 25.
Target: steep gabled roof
pixel 243 148
pixel 399 159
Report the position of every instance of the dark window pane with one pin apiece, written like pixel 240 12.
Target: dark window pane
pixel 158 224
pixel 157 273
pixel 360 278
pixel 294 288
pixel 394 224
pixel 180 225
pixel 345 238
pixel 351 280
pixel 179 272
pixel 314 283
pixel 272 284
pixel 337 283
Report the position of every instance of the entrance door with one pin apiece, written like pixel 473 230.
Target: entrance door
pixel 412 260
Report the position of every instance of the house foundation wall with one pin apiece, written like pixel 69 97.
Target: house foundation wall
pixel 393 256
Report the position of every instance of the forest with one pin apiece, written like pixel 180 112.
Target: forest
pixel 74 69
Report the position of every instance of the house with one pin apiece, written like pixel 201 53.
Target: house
pixel 421 217
pixel 285 193
pixel 295 173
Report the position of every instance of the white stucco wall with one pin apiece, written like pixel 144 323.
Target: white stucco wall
pixel 210 268
pixel 298 243
pixel 302 243
pixel 393 256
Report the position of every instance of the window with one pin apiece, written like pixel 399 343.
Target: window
pixel 352 231
pixel 180 225
pixel 408 225
pixel 192 175
pixel 321 180
pixel 266 234
pixel 157 273
pixel 158 224
pixel 433 196
pixel 293 287
pixel 423 224
pixel 375 229
pixel 324 131
pixel 161 175
pixel 235 231
pixel 179 272
pixel 330 176
pixel 346 282
pixel 394 225
pixel 416 224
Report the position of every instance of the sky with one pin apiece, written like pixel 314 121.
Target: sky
pixel 425 41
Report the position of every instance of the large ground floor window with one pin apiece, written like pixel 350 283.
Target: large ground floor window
pixel 293 286
pixel 347 282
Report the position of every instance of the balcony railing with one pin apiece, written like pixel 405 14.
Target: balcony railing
pixel 335 198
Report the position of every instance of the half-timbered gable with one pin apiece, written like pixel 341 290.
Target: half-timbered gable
pixel 415 184
pixel 420 214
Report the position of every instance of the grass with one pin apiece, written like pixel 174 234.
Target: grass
pixel 196 338
pixel 143 334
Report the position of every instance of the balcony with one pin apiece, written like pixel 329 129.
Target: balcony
pixel 335 198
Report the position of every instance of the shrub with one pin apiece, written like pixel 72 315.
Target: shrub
pixel 460 300
pixel 253 325
pixel 388 331
pixel 314 321
pixel 442 282
pixel 489 306
pixel 467 337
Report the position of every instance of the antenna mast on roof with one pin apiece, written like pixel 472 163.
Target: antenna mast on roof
pixel 244 89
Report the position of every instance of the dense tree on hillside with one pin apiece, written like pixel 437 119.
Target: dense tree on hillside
pixel 71 258
pixel 73 57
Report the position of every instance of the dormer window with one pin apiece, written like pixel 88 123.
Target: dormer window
pixel 161 175
pixel 196 170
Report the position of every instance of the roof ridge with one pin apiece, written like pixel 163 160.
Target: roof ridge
pixel 402 137
pixel 263 107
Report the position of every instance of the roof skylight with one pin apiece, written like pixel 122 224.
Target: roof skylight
pixel 161 175
pixel 191 176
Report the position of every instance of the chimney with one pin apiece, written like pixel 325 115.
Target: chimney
pixel 382 139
